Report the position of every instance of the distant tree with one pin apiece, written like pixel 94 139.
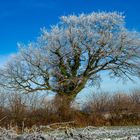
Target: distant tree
pixel 73 53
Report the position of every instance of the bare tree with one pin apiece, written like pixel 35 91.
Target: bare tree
pixel 73 53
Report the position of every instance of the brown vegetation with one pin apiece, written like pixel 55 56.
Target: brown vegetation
pixel 102 109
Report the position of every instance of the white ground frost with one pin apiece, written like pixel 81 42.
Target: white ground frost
pixel 88 133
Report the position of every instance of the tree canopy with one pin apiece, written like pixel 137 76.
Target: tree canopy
pixel 73 53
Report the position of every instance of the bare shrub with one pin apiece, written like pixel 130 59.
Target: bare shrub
pixel 23 110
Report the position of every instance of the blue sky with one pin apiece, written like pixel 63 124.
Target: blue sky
pixel 21 20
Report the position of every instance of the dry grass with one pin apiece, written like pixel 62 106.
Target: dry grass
pixel 100 109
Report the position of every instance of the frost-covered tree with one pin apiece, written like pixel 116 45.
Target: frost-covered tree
pixel 73 53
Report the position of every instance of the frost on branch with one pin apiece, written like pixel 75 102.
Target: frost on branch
pixel 73 53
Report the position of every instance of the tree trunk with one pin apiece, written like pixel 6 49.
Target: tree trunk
pixel 63 107
pixel 64 100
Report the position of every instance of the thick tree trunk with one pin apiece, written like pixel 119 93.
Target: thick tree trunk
pixel 64 100
pixel 63 107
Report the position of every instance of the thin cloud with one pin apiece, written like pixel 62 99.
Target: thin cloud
pixel 5 58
